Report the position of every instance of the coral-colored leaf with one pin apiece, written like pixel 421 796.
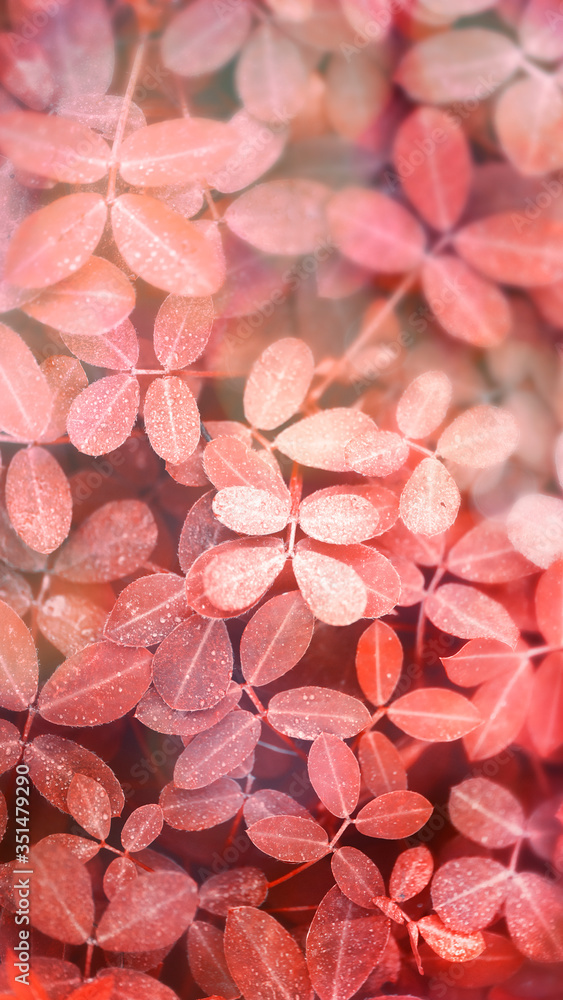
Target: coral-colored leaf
pixel 269 802
pixel 201 808
pixel 258 148
pixel 235 576
pixel 282 217
pixel 320 441
pixel 66 378
pixel 534 914
pixel 192 667
pixel 528 118
pixel 201 38
pixel 151 912
pixel 380 761
pixel 394 815
pixel 53 147
pixel 277 383
pixel 535 527
pixel 377 453
pixel 481 660
pixel 25 403
pixel 229 461
pixel 181 330
pixel 249 511
pixel 337 517
pixel 424 404
pixel 549 604
pixel 486 813
pixel 358 877
pixel 117 348
pixel 380 578
pixel 468 892
pixel 306 712
pixel 95 299
pixel 10 746
pixel 486 555
pixel 271 75
pixel 174 152
pixel 545 712
pixel 434 714
pixel 482 436
pixel 102 416
pixel 466 612
pixel 451 945
pixel 275 638
pixel 333 590
pixel 24 71
pixel 38 499
pixel 208 966
pixel 142 826
pixel 374 231
pixel 88 803
pixel 468 306
pixel 147 610
pixel 540 31
pixel 334 774
pixel 212 754
pixel 411 873
pixel 457 65
pixel 503 704
pixel 379 659
pixel 19 669
pixel 510 253
pixel 171 419
pixel 289 838
pixel 61 904
pixel 114 541
pixel 238 887
pixel 263 956
pixel 430 500
pixel 52 763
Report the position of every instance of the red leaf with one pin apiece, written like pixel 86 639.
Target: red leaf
pixel 469 614
pixel 53 761
pixel 181 330
pixel 278 383
pixel 192 666
pixel 289 838
pixel 250 511
pixel 15 591
pixel 142 826
pixel 281 217
pixel 117 348
pixel 106 291
pixel 276 638
pixel 61 903
pixel 38 499
pixel 97 685
pixel 263 957
pixel 151 912
pixel 374 231
pixel 527 255
pixel 334 774
pixel 433 160
pixel 212 754
pixel 394 815
pixel 411 873
pixel 450 945
pixel 498 962
pixel 482 436
pixel 545 712
pixel 503 704
pixel 320 441
pixel 228 461
pixel 549 604
pixel 377 453
pixel 468 892
pixel 424 404
pixel 102 416
pixel 339 515
pixel 130 983
pixel 147 610
pixel 53 147
pixel 457 65
pixel 535 528
pixel 208 965
pixel 258 148
pixel 486 813
pixel 197 40
pixel 345 942
pixel 270 802
pixel 201 808
pixel 486 555
pixel 25 401
pixel 430 500
pixel 239 887
pixel 89 804
pixel 198 722
pixel 113 542
pixel 434 715
pixel 165 249
pixel 10 746
pixel 19 668
pixel 358 877
pixel 65 378
pixel 306 712
pixel 174 152
pixel 380 761
pixel 201 531
pixel 271 75
pixel 528 118
pixel 379 659
pixel 171 419
pixel 481 660
pixel 534 914
pixel 468 306
pixel 231 577
pixel 333 590
pixel 71 621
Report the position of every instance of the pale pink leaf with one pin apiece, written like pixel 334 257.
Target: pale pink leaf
pixel 201 38
pixel 486 813
pixel 540 31
pixel 320 441
pixel 95 299
pixel 411 873
pixel 53 147
pixel 53 761
pixel 258 148
pixel 381 765
pixel 534 914
pixel 466 612
pixel 510 254
pixel 394 815
pixel 281 216
pixel 228 461
pixel 251 511
pixel 379 659
pixel 181 330
pixel 171 419
pixel 549 604
pixel 374 231
pixel 357 876
pixel 142 826
pixel 289 838
pixel 10 746
pixel 377 453
pixel 78 42
pixel 277 383
pixel 435 715
pixel 24 71
pixel 65 378
pixel 175 152
pixel 102 416
pixel 535 527
pixel 276 638
pixel 452 9
pixel 151 912
pixel 430 500
pixel 71 620
pixel 147 610
pixel 424 404
pixel 480 437
pixel 528 119
pixel 61 904
pixel 337 517
pixel 25 400
pixel 334 774
pixel 206 957
pixel 379 577
pixel 201 808
pixel 334 591
pixel 38 499
pixel 19 668
pixel 486 555
pixel 545 712
pixel 101 112
pixel 503 705
pixel 454 946
pixel 89 804
pixel 201 531
pixel 272 75
pixel 229 578
pixel 481 660
pixel 467 893
pixel 262 956
pixel 304 713
pixel 357 93
pixel 238 887
pixel 192 666
pixel 114 541
pixel 212 754
pixel 468 306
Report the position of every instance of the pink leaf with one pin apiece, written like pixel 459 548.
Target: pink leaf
pixel 198 722
pixel 482 436
pixel 65 378
pixel 15 591
pixel 147 610
pixel 25 401
pixel 549 604
pixel 528 118
pixel 102 416
pixel 269 802
pixel 201 531
pixel 545 712
pixel 466 612
pixel 19 668
pixel 231 577
pixel 53 761
pixel 181 330
pixel 468 306
pixel 208 966
pixel 201 808
pixel 212 754
pixel 454 946
pixel 424 404
pixel 380 578
pixel 379 659
pixel 38 499
pixel 358 877
pixel 129 982
pixel 411 873
pixel 380 761
pixel 230 462
pixel 192 666
pixel 88 803
pixel 433 160
pixel 333 590
pixel 377 453
pixel 118 874
pixel 334 774
pixel 53 147
pixel 485 555
pixel 345 942
pixel 271 75
pixel 95 299
pixel 435 715
pixel 320 441
pixel 151 912
pixel 525 255
pixel 467 893
pixel 114 541
pixel 275 638
pixel 171 419
pixel 289 838
pixel 481 660
pixel 540 31
pixel 339 515
pixel 277 383
pixel 306 712
pixel 165 249
pixel 238 887
pixel 503 704
pixel 117 348
pixel 142 826
pixel 101 112
pixel 374 231
pixel 61 905
pixel 394 815
pixel 430 500
pixel 534 914
pixel 24 71
pixel 486 813
pixel 10 746
pixel 281 217
pixel 263 957
pixel 258 148
pixel 535 528
pixel 97 685
pixel 200 39
pixel 249 511
pixel 175 152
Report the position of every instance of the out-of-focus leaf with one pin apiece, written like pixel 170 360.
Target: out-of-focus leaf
pixel 114 541
pixel 18 661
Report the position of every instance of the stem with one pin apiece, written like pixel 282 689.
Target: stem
pixel 308 864
pixel 88 960
pixel 211 204
pixel 124 114
pixel 422 613
pixel 420 448
pixel 31 713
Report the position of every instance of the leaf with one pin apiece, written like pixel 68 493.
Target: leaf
pixel 467 893
pixel 334 591
pixel 258 148
pixel 269 802
pixel 142 826
pixel 201 808
pixel 339 515
pixel 374 231
pixel 430 500
pixel 53 147
pixel 466 612
pixel 344 943
pixel 249 511
pixel 411 873
pixel 535 527
pixel 263 957
pixel 165 249
pixel 450 945
pixel 80 47
pixel 434 715
pixel 24 71
pixel 457 65
pixel 212 754
pixel 276 638
pixel 101 418
pixel 61 903
pixel 271 75
pixel 129 982
pixel 534 914
pixel 201 531
pixel 238 887
pixel 513 254
pixel 289 838
pixel 235 576
pixel 485 555
pixel 433 160
pixel 497 963
pixel 379 659
pixel 380 761
pixel 19 668
pixel 358 877
pixel 53 761
pixel 376 453
pixel 281 216
pixel 208 966
pixel 65 378
pixel 306 712
pixel 113 542
pixel 200 38
pixel 394 815
pixel 10 746
pixel 71 621
pixel 181 330
pixel 380 578
pixel 278 383
pixel 151 912
pixel 424 404
pixel 171 419
pixel 88 803
pixel 480 437
pixel 503 704
pixel 228 461
pixel 25 400
pixel 481 660
pixel 468 306
pixel 528 118
pixel 97 685
pixel 56 241
pixel 95 299
pixel 334 774
pixel 540 32
pixel 320 441
pixel 545 715
pixel 147 610
pixel 101 113
pixel 486 813
pixel 192 666
pixel 38 499
pixel 549 604
pixel 175 152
